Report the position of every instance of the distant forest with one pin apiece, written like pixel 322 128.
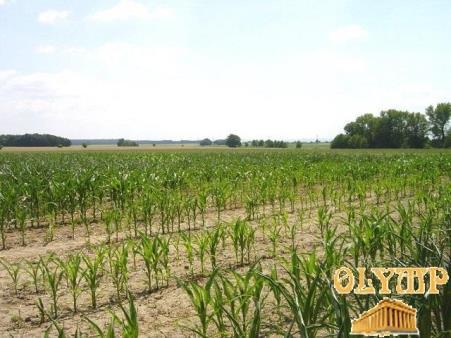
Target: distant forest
pixel 34 140
pixel 398 129
pixel 77 142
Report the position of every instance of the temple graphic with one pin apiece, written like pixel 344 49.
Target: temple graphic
pixel 388 317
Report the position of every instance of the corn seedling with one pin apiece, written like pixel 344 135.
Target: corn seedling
pixel 13 270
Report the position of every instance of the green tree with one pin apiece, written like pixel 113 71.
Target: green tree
pixel 233 141
pixel 126 143
pixel 439 119
pixel 416 130
pixel 365 125
pixel 448 139
pixel 298 144
pixel 206 142
pixel 357 142
pixel 340 141
pixel 391 129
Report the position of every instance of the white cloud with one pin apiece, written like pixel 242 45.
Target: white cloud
pixel 5 74
pixel 52 16
pixel 133 91
pixel 3 2
pixel 130 10
pixel 348 33
pixel 45 49
pixel 142 92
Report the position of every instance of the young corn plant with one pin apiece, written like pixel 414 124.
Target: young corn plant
pixel 118 269
pixel 129 324
pixel 33 269
pixel 146 250
pixel 201 300
pixel 243 237
pixel 189 249
pixel 74 275
pixel 109 332
pixel 21 217
pixel 302 290
pixel 13 270
pixel 200 247
pixel 244 301
pixel 52 280
pixel 274 233
pixel 213 243
pixel 164 258
pixel 93 273
pixel 107 218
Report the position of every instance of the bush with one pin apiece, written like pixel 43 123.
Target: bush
pixel 126 143
pixel 340 141
pixel 206 142
pixel 298 144
pixel 219 142
pixel 84 145
pixel 233 141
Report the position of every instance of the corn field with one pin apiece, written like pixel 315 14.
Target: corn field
pixel 214 244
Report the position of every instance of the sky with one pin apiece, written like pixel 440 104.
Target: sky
pixel 189 69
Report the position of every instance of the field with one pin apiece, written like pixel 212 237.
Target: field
pixel 213 243
pixel 150 147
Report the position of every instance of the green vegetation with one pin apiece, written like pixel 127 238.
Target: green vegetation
pixel 233 141
pixel 206 142
pixel 397 129
pixel 439 118
pixel 269 144
pixel 33 140
pixel 251 237
pixel 126 143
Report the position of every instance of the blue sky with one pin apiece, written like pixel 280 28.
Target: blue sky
pixel 192 69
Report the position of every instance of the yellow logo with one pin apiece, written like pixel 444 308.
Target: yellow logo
pixel 389 316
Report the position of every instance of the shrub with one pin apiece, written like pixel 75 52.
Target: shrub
pixel 84 145
pixel 340 141
pixel 126 143
pixel 206 142
pixel 298 144
pixel 233 141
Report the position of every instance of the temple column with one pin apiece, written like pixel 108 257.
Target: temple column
pixel 379 318
pixel 385 317
pixel 395 314
pixel 390 318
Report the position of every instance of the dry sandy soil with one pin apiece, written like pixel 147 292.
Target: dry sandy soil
pixel 163 313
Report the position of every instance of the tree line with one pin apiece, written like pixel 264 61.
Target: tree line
pixel 234 141
pixel 33 140
pixel 398 129
pixel 269 144
pixel 126 143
